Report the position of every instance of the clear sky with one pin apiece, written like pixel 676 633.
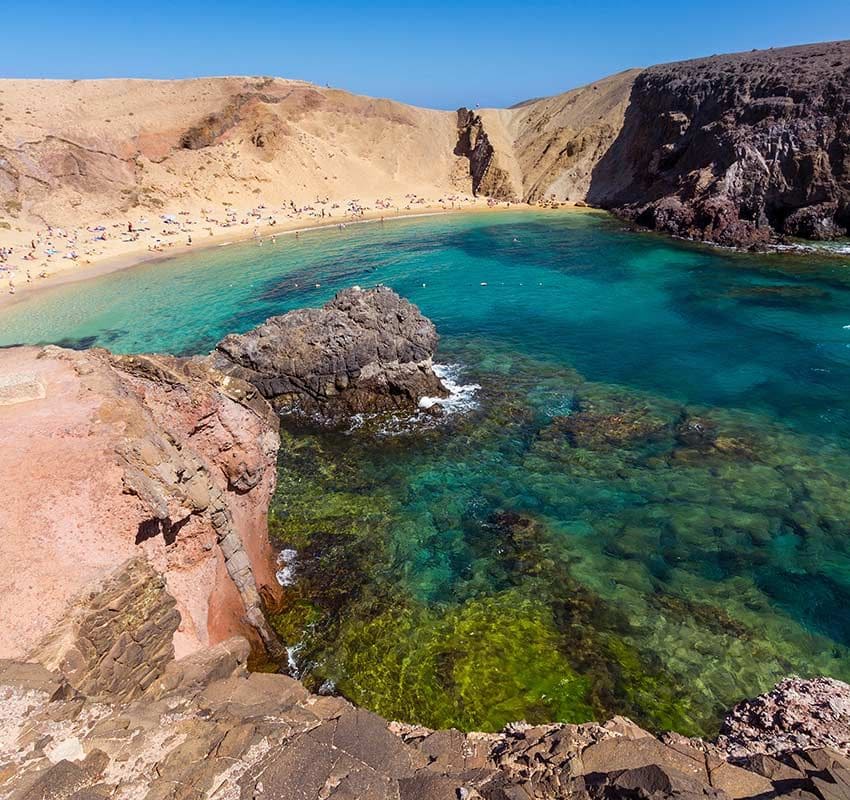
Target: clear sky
pixel 439 54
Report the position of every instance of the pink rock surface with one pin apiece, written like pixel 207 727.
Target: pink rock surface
pixel 123 456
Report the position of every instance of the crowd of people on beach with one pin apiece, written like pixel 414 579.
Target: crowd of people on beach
pixel 162 232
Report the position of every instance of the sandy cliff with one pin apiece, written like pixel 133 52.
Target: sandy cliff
pixel 72 152
pixel 736 149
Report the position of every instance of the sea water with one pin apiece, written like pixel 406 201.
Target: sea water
pixel 635 502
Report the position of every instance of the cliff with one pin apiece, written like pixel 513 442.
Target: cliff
pixel 107 458
pixel 736 149
pixel 82 152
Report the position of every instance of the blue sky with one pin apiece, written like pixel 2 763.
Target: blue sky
pixel 438 54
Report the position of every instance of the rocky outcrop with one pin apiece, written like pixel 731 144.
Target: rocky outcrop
pixel 206 728
pixel 795 715
pixel 121 457
pixel 364 351
pixel 118 638
pixel 736 149
pixel 473 143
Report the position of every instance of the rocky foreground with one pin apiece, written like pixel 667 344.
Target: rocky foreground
pixel 205 727
pixel 136 570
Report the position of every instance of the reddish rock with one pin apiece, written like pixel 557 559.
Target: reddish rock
pixel 130 456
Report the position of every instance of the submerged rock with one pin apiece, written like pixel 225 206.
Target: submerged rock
pixel 364 351
pixel 600 431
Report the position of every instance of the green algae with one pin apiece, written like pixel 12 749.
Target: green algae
pixel 567 551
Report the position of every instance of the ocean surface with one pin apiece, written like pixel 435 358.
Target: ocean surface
pixel 637 503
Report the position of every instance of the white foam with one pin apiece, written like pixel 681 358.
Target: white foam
pixel 291 659
pixel 461 399
pixel 286 560
pixel 461 395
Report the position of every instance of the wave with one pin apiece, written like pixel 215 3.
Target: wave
pixel 286 561
pixel 461 395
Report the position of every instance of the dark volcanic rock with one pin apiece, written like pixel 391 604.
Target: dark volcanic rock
pixel 364 351
pixel 473 143
pixel 736 149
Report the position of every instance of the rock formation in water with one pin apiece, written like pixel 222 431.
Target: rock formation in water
pixel 204 727
pixel 364 351
pixel 736 149
pixel 107 458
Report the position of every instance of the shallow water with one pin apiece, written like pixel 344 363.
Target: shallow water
pixel 646 512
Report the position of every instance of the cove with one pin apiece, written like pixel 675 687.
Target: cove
pixel 645 511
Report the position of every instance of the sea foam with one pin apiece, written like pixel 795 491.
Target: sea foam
pixel 461 395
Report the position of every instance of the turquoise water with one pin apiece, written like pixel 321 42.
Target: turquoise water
pixel 645 512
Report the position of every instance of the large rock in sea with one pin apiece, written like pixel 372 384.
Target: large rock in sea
pixel 364 351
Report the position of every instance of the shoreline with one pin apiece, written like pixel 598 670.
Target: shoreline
pixel 134 257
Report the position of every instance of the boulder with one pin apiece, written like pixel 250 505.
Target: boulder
pixel 364 351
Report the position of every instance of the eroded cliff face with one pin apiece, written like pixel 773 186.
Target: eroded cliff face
pixel 108 458
pixel 736 149
pixel 488 176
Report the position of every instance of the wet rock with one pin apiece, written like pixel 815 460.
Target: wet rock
pixel 600 431
pixel 364 351
pixel 699 432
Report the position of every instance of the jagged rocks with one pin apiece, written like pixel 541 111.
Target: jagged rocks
pixel 364 351
pixel 207 728
pixel 736 149
pixel 796 714
pixel 473 143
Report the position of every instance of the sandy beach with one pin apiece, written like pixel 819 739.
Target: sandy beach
pixel 119 253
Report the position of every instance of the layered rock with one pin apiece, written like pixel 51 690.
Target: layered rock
pixel 364 351
pixel 736 149
pixel 206 728
pixel 117 457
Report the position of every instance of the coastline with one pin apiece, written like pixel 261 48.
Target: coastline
pixel 135 256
